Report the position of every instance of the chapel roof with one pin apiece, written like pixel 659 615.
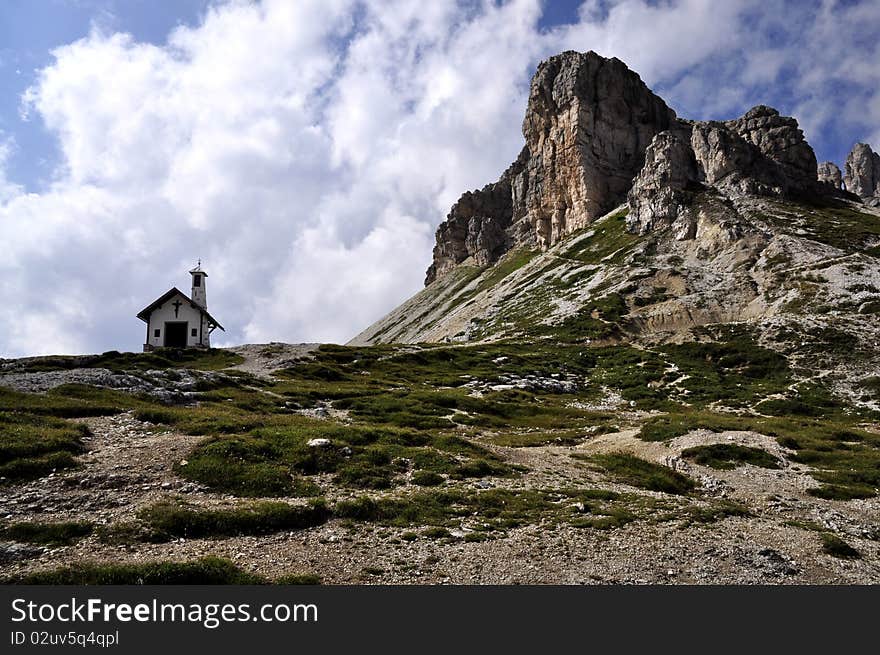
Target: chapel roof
pixel 144 314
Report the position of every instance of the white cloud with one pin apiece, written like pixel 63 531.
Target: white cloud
pixel 306 151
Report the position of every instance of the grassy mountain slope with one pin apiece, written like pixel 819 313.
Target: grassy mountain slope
pixel 804 277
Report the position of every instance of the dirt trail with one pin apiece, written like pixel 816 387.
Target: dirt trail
pixel 263 359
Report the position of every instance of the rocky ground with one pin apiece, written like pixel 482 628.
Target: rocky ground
pixel 262 359
pixel 129 465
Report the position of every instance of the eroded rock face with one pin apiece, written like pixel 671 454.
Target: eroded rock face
pixel 781 142
pixel 588 123
pixel 761 153
pixel 596 136
pixel 661 191
pixel 475 227
pixel 829 173
pixel 863 173
pixel 722 153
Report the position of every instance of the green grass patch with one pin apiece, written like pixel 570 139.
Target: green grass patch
pixel 494 509
pixel 714 512
pixel 828 221
pixel 837 547
pixel 272 461
pixel 47 534
pixel 606 239
pixel 727 456
pixel 436 532
pixel 604 518
pixel 212 359
pixel 811 526
pixel 33 445
pixel 737 370
pixel 66 401
pixel 512 262
pixel 298 579
pixel 174 519
pixel 206 570
pixel 427 479
pixel 641 473
pixel 127 533
pixel 598 319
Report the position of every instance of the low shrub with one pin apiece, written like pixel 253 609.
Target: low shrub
pixel 726 456
pixel 837 547
pixel 49 534
pixel 208 570
pixel 638 472
pixel 178 520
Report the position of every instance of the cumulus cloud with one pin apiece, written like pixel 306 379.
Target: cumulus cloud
pixel 306 151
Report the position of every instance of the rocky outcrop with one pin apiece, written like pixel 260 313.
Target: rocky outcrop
pixel 663 189
pixel 588 124
pixel 862 175
pixel 786 159
pixel 761 153
pixel 596 136
pixel 167 385
pixel 829 173
pixel 476 226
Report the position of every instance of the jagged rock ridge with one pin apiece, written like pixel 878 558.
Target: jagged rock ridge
pixel 761 153
pixel 589 126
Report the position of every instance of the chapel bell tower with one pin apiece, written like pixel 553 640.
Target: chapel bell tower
pixel 199 295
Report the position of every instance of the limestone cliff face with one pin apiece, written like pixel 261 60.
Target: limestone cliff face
pixel 596 137
pixel 478 226
pixel 588 123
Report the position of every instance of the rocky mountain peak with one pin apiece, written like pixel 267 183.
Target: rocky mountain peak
pixel 829 173
pixel 590 127
pixel 862 175
pixel 588 123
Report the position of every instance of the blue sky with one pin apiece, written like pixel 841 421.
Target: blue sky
pixel 31 29
pixel 307 150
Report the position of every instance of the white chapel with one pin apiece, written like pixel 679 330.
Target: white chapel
pixel 175 320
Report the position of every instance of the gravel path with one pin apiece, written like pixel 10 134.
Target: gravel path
pixel 262 359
